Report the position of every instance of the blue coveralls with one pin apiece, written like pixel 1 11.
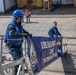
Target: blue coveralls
pixel 53 31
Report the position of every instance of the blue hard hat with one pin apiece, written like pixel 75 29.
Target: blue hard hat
pixel 17 13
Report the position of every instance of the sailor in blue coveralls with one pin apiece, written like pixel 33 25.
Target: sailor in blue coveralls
pixel 15 31
pixel 54 30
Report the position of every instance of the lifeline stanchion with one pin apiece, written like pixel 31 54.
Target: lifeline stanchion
pixel 29 70
pixel 64 45
pixel 21 66
pixel 0 53
pixel 19 70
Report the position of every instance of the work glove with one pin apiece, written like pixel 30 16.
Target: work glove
pixel 30 35
pixel 25 35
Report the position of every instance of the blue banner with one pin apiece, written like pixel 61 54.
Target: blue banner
pixel 43 51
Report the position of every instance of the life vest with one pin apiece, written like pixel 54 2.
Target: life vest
pixel 29 13
pixel 18 30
